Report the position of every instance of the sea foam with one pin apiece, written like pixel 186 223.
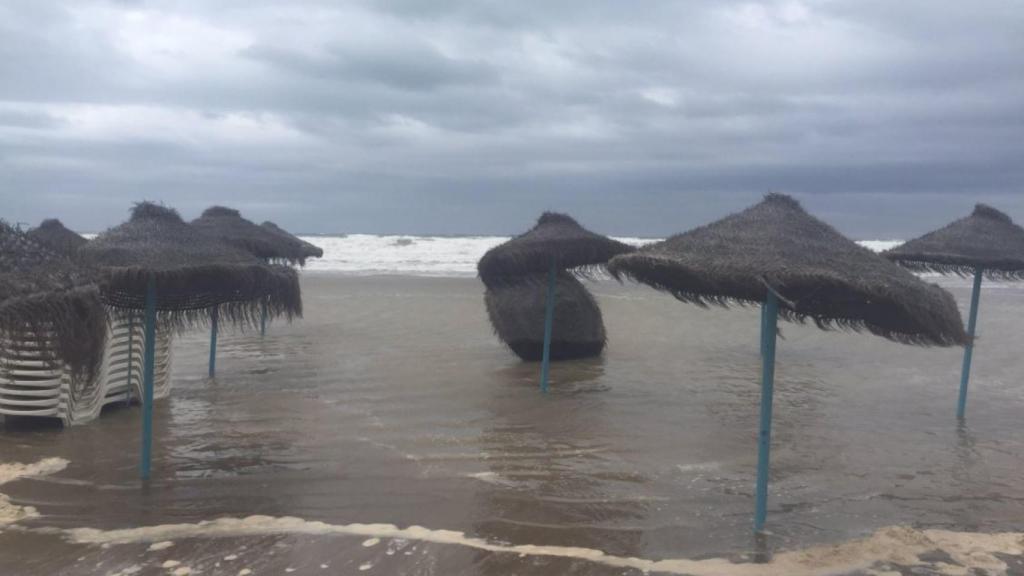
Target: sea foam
pixel 368 254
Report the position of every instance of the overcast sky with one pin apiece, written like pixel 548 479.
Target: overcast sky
pixel 884 117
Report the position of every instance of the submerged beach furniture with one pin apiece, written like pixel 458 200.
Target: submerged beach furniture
pixel 556 242
pixel 179 277
pixel 986 243
pixel 797 267
pixel 53 332
pixel 517 313
pixel 55 236
pixel 228 226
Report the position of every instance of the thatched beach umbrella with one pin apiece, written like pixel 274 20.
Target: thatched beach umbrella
pixel 517 313
pixel 52 234
pixel 227 225
pixel 157 263
pixel 557 242
pixel 800 268
pixel 46 296
pixel 985 243
pixel 308 250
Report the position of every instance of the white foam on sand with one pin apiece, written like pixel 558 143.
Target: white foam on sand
pixel 888 546
pixel 9 472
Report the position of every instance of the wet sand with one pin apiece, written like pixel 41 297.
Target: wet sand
pixel 392 404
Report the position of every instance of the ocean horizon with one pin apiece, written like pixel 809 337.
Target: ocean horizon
pixel 438 255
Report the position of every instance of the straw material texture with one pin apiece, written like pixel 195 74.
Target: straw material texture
pixel 517 312
pixel 556 239
pixel 45 296
pixel 819 275
pixel 986 239
pixel 193 272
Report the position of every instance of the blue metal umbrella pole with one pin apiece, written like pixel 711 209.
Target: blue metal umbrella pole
pixel 214 314
pixel 549 318
pixel 972 323
pixel 764 442
pixel 147 379
pixel 764 320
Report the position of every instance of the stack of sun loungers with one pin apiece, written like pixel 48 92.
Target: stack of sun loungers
pixel 31 386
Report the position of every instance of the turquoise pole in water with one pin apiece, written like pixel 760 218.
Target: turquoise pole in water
pixel 214 314
pixel 549 318
pixel 764 441
pixel 764 320
pixel 147 378
pixel 263 318
pixel 972 323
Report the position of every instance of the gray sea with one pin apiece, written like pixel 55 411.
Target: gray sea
pixel 389 432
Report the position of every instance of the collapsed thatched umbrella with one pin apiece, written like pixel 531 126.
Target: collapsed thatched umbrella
pixel 158 263
pixel 557 242
pixel 798 267
pixel 46 296
pixel 52 234
pixel 227 225
pixel 308 250
pixel 985 243
pixel 517 315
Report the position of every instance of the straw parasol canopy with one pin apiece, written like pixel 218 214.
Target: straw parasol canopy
pixel 227 225
pixel 193 271
pixel 986 239
pixel 308 250
pixel 557 239
pixel 818 274
pixel 52 234
pixel 517 315
pixel 44 295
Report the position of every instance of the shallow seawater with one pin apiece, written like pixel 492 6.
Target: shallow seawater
pixel 389 432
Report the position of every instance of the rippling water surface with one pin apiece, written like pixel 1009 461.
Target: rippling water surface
pixel 391 403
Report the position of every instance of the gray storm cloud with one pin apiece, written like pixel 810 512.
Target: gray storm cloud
pixel 886 118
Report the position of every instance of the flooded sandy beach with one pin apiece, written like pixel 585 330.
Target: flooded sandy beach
pixel 389 432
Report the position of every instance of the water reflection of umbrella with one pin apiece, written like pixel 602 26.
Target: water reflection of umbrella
pixel 557 242
pixel 157 263
pixel 55 236
pixel 986 243
pixel 46 296
pixel 797 267
pixel 228 226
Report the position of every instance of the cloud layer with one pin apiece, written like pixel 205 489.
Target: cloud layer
pixel 458 116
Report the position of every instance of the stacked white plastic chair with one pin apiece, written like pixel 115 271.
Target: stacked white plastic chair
pixel 30 386
pixel 124 365
pixel 124 375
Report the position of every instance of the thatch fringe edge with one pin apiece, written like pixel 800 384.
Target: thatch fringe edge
pixel 707 299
